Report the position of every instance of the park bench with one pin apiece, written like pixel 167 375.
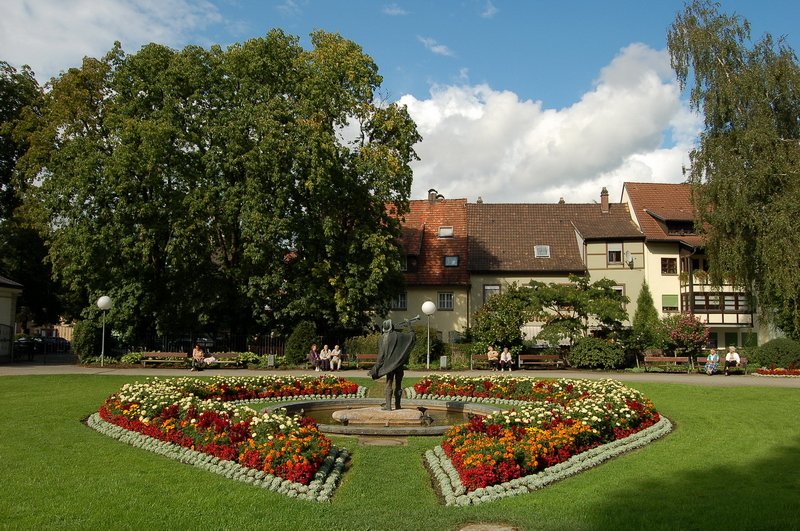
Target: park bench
pixel 365 359
pixel 475 359
pixel 227 359
pixel 700 364
pixel 540 360
pixel 650 360
pixel 181 358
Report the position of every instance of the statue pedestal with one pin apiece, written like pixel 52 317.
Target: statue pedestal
pixel 378 416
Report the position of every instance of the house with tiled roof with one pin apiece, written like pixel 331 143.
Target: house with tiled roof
pixel 435 267
pixel 9 293
pixel 518 243
pixel 458 254
pixel 675 263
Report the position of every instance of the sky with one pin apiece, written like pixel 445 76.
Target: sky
pixel 516 100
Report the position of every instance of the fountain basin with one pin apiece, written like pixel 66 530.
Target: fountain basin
pixel 364 417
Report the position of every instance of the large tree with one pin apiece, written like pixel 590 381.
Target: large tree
pixel 22 251
pixel 261 183
pixel 746 167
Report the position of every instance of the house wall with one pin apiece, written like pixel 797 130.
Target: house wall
pixel 659 283
pixel 449 323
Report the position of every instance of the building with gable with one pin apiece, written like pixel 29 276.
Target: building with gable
pixel 458 254
pixel 675 264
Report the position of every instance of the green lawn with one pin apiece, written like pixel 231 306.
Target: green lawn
pixel 732 462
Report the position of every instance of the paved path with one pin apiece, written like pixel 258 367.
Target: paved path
pixel 678 378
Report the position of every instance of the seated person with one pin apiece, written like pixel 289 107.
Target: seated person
pixel 505 360
pixel 732 359
pixel 493 357
pixel 313 357
pixel 198 358
pixel 325 358
pixel 712 362
pixel 336 358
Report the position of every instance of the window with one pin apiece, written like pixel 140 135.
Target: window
pixel 669 303
pixel 445 300
pixel 614 253
pixel 451 261
pixel 669 266
pixel 404 262
pixel 445 232
pixel 541 251
pixel 621 291
pixel 400 301
pixel 489 291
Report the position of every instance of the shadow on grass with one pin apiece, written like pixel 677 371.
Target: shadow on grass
pixel 747 493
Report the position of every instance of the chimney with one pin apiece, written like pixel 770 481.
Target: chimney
pixel 432 195
pixel 604 201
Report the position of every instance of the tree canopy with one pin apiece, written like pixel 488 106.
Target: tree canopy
pixel 746 167
pixel 262 183
pixel 567 311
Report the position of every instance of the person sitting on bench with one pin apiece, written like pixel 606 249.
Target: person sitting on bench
pixel 732 359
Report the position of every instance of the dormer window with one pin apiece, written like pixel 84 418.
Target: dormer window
pixel 541 251
pixel 451 261
pixel 403 262
pixel 445 232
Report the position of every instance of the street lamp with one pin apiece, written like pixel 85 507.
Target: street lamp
pixel 428 308
pixel 104 303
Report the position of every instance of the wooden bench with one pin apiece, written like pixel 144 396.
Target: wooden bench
pixel 549 360
pixel 661 360
pixel 365 359
pixel 180 358
pixel 226 358
pixel 700 364
pixel 479 358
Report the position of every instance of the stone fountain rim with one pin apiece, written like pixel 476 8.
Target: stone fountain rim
pixel 339 429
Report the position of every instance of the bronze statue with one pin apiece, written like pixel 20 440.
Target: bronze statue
pixel 393 352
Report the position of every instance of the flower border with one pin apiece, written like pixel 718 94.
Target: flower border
pixel 320 489
pixel 455 493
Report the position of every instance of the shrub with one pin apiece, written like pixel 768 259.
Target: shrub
pixel 782 352
pixel 686 335
pixel 132 358
pixel 297 346
pixel 596 353
pixel 86 340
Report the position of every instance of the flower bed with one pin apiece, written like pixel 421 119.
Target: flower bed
pixel 211 417
pixel 778 373
pixel 553 421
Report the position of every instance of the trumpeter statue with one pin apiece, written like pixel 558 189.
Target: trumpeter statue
pixel 393 351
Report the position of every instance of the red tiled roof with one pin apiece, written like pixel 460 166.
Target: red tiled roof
pixel 420 238
pixel 503 236
pixel 653 204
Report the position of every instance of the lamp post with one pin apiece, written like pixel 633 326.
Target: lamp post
pixel 428 308
pixel 104 303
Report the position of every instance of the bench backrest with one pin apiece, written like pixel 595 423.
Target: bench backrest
pixel 666 359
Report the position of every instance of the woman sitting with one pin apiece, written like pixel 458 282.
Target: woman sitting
pixel 325 358
pixel 493 357
pixel 336 358
pixel 712 362
pixel 505 360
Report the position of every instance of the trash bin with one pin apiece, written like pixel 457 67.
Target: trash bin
pixel 271 361
pixel 442 362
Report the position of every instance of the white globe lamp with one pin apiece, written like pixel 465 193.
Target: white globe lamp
pixel 428 308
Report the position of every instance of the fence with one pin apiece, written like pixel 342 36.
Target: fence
pixel 260 345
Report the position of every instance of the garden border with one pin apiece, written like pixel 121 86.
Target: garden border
pixel 454 492
pixel 321 488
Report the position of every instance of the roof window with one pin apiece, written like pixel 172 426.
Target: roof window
pixel 445 232
pixel 541 251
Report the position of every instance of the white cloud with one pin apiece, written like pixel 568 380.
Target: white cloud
pixel 53 35
pixel 394 10
pixel 478 141
pixel 435 47
pixel 490 10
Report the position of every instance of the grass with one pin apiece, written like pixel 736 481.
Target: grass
pixel 731 463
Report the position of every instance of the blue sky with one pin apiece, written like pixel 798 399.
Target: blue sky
pixel 516 100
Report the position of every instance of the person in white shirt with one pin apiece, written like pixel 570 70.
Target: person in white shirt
pixel 732 359
pixel 325 358
pixel 336 358
pixel 505 360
